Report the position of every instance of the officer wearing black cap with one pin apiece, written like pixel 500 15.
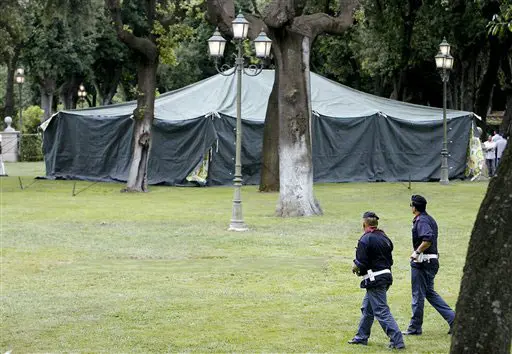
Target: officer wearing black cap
pixel 424 267
pixel 373 262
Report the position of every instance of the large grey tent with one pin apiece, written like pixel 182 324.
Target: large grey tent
pixel 355 136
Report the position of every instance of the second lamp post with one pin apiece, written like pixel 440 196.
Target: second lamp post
pixel 444 62
pixel 81 95
pixel 20 79
pixel 216 46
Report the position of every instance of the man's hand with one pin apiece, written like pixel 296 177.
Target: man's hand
pixel 414 256
pixel 355 269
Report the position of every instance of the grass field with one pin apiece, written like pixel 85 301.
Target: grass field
pixel 159 272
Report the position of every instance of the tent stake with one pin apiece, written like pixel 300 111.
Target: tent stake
pixel 409 182
pixel 74 185
pixel 21 183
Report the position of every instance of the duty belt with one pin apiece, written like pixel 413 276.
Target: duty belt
pixel 425 257
pixel 371 274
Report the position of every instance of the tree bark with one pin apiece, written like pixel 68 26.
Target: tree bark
pixel 483 95
pixel 9 85
pixel 506 66
pixel 143 120
pixel 111 87
pixel 483 323
pixel 269 181
pixel 69 92
pixel 296 197
pixel 47 87
pixel 148 56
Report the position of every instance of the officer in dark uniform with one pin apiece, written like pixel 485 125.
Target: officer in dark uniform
pixel 424 267
pixel 373 262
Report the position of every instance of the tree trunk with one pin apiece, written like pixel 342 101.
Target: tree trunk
pixel 506 66
pixel 483 96
pixel 9 85
pixel 111 88
pixel 296 196
pixel 270 160
pixel 483 323
pixel 47 87
pixel 143 120
pixel 69 92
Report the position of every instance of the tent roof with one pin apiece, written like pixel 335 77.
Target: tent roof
pixel 217 94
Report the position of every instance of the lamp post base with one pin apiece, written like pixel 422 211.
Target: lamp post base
pixel 444 168
pixel 237 226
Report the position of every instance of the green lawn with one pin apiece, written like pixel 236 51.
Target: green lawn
pixel 159 272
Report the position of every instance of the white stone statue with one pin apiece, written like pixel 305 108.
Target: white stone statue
pixel 8 122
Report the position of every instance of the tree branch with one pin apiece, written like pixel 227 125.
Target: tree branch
pixel 279 13
pixel 256 26
pixel 313 25
pixel 141 45
pixel 221 13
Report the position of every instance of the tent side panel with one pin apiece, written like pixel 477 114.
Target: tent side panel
pixel 380 148
pixel 177 147
pixel 413 150
pixel 222 166
pixel 89 148
pixel 342 149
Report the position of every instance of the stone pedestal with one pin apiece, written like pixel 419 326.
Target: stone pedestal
pixel 10 146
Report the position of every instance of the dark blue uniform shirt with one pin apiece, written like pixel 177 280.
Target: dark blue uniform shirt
pixel 374 251
pixel 424 228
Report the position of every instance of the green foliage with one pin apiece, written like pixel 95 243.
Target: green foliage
pixel 501 24
pixel 31 140
pixel 32 116
pixel 12 28
pixel 32 119
pixel 31 147
pixel 169 38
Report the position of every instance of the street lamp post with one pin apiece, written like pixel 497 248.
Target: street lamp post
pixel 444 62
pixel 20 79
pixel 81 95
pixel 216 46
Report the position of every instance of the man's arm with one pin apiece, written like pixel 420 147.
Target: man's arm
pixel 361 262
pixel 426 233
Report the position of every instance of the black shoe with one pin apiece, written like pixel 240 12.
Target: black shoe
pixel 410 332
pixel 357 342
pixel 394 346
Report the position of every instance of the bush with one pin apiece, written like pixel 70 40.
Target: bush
pixel 31 148
pixel 32 116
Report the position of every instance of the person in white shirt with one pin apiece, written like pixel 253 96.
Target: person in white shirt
pixel 501 144
pixel 490 155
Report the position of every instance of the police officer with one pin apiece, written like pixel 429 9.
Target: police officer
pixel 424 267
pixel 373 262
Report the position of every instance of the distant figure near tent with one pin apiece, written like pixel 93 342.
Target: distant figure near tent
pixel 355 136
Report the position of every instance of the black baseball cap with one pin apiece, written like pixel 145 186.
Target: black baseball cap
pixel 370 214
pixel 418 200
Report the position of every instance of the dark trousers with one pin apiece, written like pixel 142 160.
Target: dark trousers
pixel 490 166
pixel 375 305
pixel 422 280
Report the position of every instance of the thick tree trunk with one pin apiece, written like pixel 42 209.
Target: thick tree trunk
pixel 143 118
pixel 47 87
pixel 483 323
pixel 296 197
pixel 270 160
